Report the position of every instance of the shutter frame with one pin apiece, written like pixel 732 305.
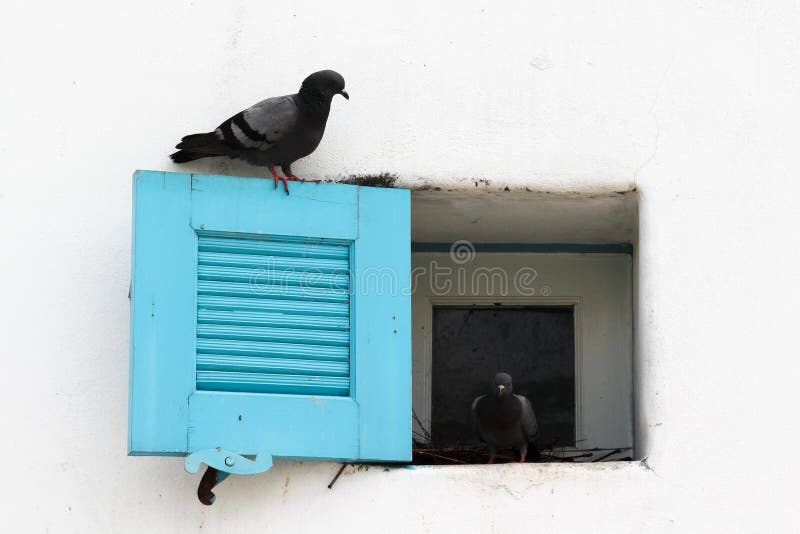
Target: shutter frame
pixel 169 416
pixel 383 324
pixel 162 304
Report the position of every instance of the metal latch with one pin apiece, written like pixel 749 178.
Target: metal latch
pixel 222 463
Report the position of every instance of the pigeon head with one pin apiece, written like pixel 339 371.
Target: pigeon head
pixel 502 386
pixel 324 85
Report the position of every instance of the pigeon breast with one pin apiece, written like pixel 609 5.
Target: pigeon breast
pixel 504 423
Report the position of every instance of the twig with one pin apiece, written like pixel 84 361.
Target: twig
pixel 615 451
pixel 562 457
pixel 458 449
pixel 330 486
pixel 585 455
pixel 456 460
pixel 594 449
pixel 425 430
pixel 451 449
pixel 503 456
pixel 419 436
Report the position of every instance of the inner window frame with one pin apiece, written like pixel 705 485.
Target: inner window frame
pixel 487 302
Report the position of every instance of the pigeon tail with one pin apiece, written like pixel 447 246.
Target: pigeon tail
pixel 182 156
pixel 198 141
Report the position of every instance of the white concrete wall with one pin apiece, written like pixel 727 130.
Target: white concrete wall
pixel 693 103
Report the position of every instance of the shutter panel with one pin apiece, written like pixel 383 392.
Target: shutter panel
pixel 273 315
pixel 258 326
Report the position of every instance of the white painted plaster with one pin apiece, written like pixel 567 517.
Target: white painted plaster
pixel 693 103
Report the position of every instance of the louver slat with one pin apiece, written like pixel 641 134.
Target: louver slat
pixel 278 320
pixel 264 333
pixel 264 383
pixel 261 288
pixel 273 316
pixel 223 362
pixel 210 302
pixel 278 248
pixel 253 261
pixel 262 350
pixel 273 276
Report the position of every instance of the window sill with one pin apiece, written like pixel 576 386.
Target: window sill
pixel 548 469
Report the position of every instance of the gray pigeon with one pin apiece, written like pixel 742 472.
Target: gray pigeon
pixel 275 132
pixel 504 420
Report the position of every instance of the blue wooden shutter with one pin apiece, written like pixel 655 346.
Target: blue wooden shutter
pixel 267 322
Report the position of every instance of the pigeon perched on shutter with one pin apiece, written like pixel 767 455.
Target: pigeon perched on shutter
pixel 504 420
pixel 275 132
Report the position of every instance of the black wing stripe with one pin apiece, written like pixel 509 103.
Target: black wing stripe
pixel 248 130
pixel 229 136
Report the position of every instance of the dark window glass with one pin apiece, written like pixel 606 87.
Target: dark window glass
pixel 536 345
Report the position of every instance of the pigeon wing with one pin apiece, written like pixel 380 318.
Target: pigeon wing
pixel 260 126
pixel 527 418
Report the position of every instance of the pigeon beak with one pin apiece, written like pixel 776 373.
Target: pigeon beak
pixel 500 390
pixel 344 94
